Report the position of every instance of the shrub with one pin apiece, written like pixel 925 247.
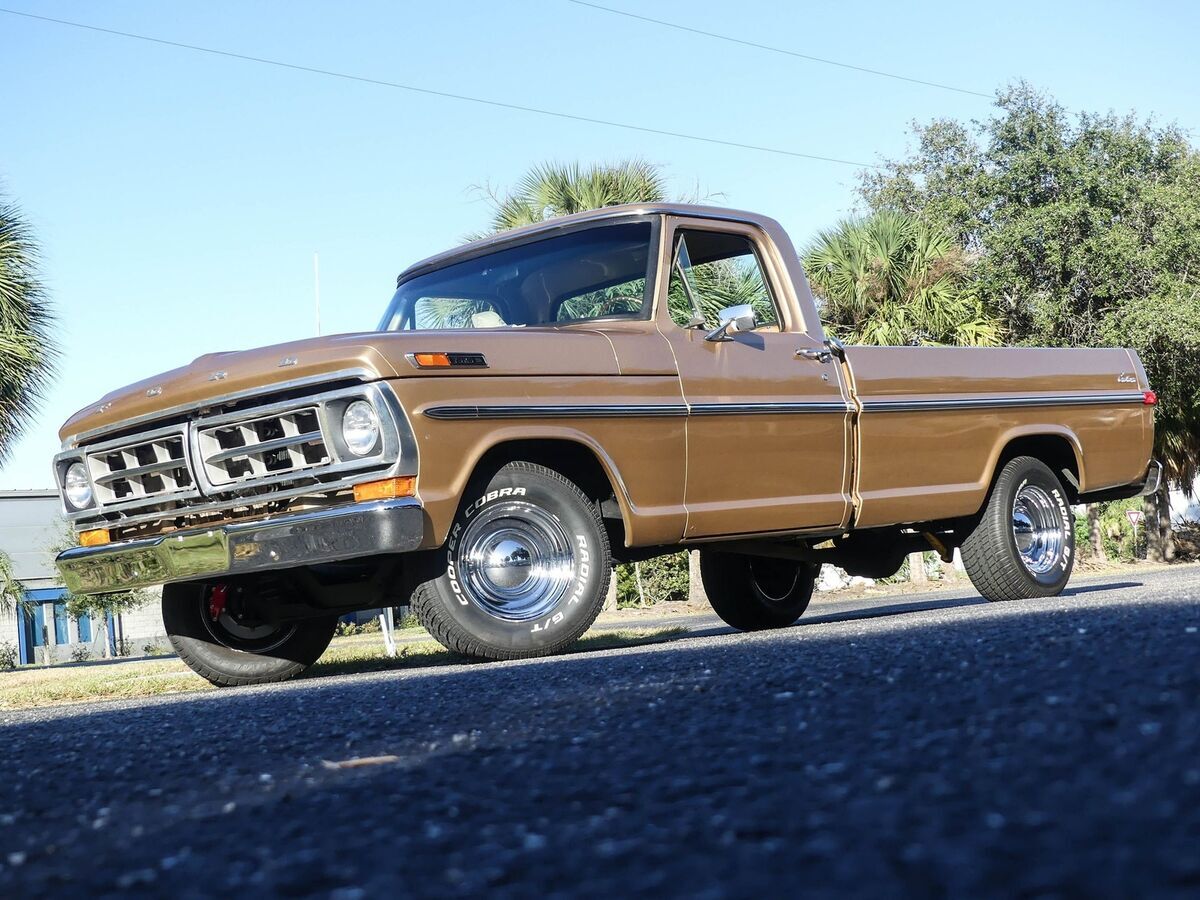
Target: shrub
pixel 1083 540
pixel 1115 531
pixel 663 579
pixel 349 629
pixel 8 656
pixel 80 653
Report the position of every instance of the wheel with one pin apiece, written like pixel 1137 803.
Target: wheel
pixel 1024 544
pixel 756 592
pixel 524 570
pixel 212 628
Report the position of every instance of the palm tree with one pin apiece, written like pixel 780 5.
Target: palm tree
pixel 27 354
pixel 558 189
pixel 891 279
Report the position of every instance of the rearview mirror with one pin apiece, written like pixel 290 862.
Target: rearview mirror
pixel 733 319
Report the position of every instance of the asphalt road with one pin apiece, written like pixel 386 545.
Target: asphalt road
pixel 932 746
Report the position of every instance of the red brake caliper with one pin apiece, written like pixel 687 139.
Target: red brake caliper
pixel 216 600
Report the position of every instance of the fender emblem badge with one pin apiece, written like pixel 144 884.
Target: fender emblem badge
pixel 288 361
pixel 104 407
pixel 218 376
pixel 1127 378
pixel 154 391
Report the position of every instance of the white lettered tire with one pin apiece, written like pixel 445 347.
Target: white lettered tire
pixel 1024 543
pixel 524 570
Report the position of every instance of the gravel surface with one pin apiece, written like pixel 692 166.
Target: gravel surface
pixel 918 745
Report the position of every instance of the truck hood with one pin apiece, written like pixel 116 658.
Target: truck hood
pixel 368 356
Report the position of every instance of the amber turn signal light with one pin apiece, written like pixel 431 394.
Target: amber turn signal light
pixel 96 538
pixel 387 489
pixel 432 360
pixel 448 360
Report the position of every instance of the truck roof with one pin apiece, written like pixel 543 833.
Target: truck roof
pixel 626 210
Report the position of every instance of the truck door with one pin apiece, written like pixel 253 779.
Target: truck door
pixel 769 421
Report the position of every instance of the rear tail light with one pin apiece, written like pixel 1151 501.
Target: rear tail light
pixel 1149 398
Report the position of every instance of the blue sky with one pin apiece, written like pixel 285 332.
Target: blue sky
pixel 179 196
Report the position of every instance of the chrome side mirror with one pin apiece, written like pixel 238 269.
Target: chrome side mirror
pixel 733 319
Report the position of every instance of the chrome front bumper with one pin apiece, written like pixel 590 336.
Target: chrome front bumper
pixel 327 535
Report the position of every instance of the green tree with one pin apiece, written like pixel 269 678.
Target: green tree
pixel 893 279
pixel 27 354
pixel 1087 231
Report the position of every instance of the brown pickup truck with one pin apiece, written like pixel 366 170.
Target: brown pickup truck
pixel 607 386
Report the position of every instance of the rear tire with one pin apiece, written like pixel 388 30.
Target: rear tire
pixel 524 570
pixel 1024 544
pixel 751 593
pixel 228 654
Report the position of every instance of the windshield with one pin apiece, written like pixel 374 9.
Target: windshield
pixel 595 273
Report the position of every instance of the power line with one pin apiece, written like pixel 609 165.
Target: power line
pixel 443 94
pixel 785 52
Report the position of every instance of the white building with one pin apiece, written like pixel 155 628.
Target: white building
pixel 31 525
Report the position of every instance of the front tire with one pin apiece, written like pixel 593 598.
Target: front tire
pixel 524 570
pixel 1024 544
pixel 751 593
pixel 228 653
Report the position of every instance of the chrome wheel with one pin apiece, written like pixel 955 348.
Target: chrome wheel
pixel 516 561
pixel 1038 529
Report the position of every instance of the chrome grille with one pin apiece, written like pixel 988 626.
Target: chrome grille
pixel 219 461
pixel 272 445
pixel 145 468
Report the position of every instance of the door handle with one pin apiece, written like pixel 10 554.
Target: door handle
pixel 821 354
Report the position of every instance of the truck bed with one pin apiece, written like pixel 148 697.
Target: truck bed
pixel 933 421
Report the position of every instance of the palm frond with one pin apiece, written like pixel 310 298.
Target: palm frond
pixel 11 592
pixel 27 350
pixel 559 189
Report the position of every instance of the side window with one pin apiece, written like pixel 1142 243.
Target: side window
pixel 62 633
pixel 710 271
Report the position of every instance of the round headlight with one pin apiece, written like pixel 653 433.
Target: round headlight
pixel 360 427
pixel 76 486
